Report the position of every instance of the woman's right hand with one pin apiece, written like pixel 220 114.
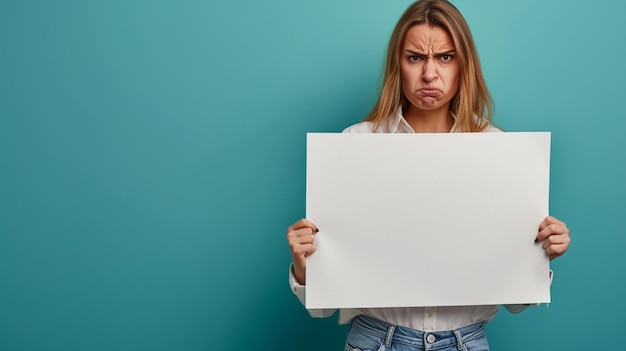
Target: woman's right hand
pixel 301 238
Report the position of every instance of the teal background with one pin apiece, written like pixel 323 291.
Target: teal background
pixel 152 155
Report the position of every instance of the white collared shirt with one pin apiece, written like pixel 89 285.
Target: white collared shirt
pixel 421 318
pixel 397 124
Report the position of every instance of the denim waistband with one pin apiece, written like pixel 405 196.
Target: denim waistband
pixel 417 338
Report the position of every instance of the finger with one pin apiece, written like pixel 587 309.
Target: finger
pixel 555 251
pixel 547 221
pixel 557 228
pixel 307 238
pixel 303 250
pixel 302 233
pixel 301 242
pixel 303 223
pixel 556 239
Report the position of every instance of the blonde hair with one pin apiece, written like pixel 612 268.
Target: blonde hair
pixel 472 103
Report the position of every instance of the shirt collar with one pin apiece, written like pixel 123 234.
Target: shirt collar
pixel 397 124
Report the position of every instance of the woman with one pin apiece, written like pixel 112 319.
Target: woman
pixel 432 83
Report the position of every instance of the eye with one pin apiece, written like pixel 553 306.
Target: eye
pixel 413 58
pixel 446 58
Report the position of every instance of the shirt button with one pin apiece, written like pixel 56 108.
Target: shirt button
pixel 430 338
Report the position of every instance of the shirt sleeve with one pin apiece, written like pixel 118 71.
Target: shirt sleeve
pixel 300 291
pixel 362 127
pixel 519 308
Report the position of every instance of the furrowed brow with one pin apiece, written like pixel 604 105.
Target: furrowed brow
pixel 417 53
pixel 449 52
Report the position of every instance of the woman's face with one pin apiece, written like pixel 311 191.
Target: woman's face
pixel 429 68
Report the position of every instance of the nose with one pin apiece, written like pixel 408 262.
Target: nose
pixel 430 72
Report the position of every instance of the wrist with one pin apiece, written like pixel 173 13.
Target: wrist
pixel 299 274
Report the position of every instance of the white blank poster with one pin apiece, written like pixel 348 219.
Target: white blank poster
pixel 427 219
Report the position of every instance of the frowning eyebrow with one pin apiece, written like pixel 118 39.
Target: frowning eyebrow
pixel 438 54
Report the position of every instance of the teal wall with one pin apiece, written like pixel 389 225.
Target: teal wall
pixel 152 154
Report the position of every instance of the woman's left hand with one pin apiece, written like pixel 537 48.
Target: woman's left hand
pixel 554 235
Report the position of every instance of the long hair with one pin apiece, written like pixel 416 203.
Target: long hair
pixel 472 103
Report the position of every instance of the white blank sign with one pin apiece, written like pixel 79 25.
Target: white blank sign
pixel 427 219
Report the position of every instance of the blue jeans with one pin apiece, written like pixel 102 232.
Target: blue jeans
pixel 369 334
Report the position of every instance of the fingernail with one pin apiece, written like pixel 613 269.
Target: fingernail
pixel 317 230
pixel 536 240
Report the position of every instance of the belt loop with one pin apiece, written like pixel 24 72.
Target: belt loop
pixel 390 330
pixel 459 340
